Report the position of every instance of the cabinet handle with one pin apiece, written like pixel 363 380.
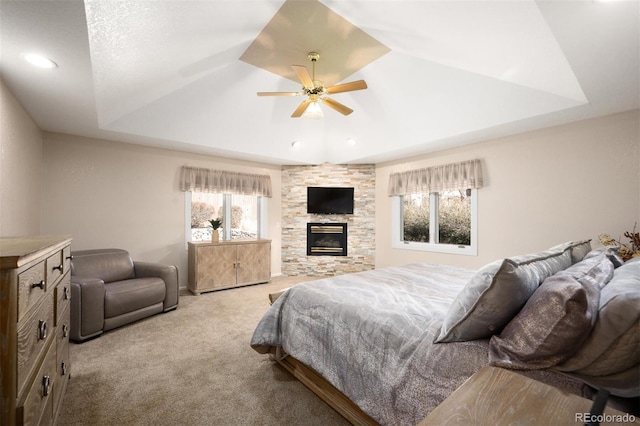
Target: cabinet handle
pixel 59 268
pixel 40 284
pixel 69 257
pixel 42 330
pixel 63 368
pixel 46 385
pixel 65 292
pixel 65 330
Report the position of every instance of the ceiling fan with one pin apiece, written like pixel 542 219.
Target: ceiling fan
pixel 316 91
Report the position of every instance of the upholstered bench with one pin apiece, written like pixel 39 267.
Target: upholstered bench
pixel 109 290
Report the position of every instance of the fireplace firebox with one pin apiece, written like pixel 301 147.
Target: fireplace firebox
pixel 326 239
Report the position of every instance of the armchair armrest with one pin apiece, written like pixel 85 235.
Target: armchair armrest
pixel 168 273
pixel 87 313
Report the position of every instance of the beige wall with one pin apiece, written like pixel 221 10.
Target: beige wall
pixel 20 168
pixel 541 188
pixel 110 194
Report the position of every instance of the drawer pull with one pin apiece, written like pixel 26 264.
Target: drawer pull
pixel 46 385
pixel 59 268
pixel 65 330
pixel 65 292
pixel 40 284
pixel 69 257
pixel 63 368
pixel 42 330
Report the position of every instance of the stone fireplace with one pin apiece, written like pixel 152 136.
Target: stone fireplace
pixel 360 255
pixel 326 239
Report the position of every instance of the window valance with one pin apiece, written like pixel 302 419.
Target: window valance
pixel 448 177
pixel 224 182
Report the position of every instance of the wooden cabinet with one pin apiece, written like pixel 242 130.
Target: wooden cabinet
pixel 215 266
pixel 35 297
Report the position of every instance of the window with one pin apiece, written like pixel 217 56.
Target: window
pixel 239 199
pixel 243 216
pixel 442 222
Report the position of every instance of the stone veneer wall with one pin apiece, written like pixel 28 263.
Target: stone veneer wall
pixel 360 225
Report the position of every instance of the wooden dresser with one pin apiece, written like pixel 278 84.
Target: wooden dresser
pixel 35 293
pixel 216 266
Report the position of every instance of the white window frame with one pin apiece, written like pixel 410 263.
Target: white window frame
pixel 226 224
pixel 397 241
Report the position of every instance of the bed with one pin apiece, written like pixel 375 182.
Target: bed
pixel 387 346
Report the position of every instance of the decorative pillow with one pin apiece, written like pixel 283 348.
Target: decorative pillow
pixel 555 321
pixel 578 249
pixel 495 294
pixel 612 252
pixel 608 343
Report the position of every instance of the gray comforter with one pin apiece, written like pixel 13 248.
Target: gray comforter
pixel 370 334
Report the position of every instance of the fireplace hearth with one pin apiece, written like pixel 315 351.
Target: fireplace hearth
pixel 326 239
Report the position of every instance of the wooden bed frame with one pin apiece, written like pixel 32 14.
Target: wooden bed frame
pixel 325 390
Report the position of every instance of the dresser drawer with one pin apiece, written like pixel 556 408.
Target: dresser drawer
pixel 55 267
pixel 62 358
pixel 38 404
pixel 31 288
pixel 62 334
pixel 35 330
pixel 66 258
pixel 63 297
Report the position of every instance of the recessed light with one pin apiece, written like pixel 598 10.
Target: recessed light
pixel 39 61
pixel 295 144
pixel 351 141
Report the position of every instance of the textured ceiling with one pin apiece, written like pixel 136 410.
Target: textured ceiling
pixel 184 74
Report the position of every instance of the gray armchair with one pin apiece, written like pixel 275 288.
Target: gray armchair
pixel 109 290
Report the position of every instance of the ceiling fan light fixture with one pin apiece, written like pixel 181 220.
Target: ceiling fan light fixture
pixel 313 110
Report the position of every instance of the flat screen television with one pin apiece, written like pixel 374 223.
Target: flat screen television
pixel 329 200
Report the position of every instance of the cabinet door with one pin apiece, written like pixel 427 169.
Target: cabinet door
pixel 254 263
pixel 215 267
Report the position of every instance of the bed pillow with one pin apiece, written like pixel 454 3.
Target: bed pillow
pixel 613 344
pixel 578 249
pixel 556 319
pixel 495 294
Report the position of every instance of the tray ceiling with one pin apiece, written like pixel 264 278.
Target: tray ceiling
pixel 184 74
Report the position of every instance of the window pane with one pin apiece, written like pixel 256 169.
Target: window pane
pixel 244 217
pixel 416 218
pixel 454 218
pixel 204 207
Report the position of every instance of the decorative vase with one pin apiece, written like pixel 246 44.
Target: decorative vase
pixel 215 236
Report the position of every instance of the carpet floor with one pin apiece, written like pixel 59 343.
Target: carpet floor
pixel 191 366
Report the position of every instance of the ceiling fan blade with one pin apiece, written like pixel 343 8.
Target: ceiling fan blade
pixel 303 76
pixel 279 94
pixel 347 87
pixel 337 106
pixel 303 106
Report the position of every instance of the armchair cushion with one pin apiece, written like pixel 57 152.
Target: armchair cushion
pixel 107 264
pixel 130 295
